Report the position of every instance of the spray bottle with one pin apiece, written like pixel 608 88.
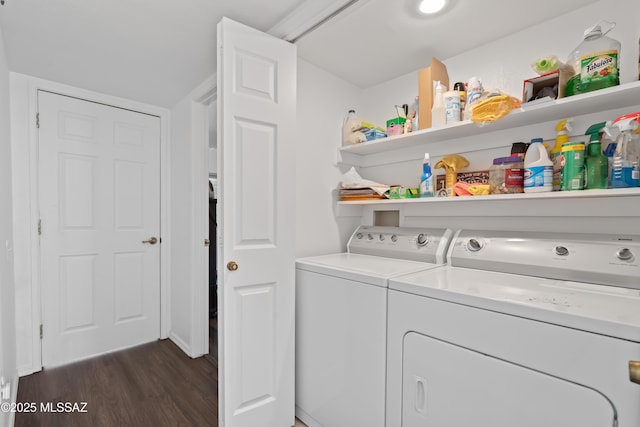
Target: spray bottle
pixel 624 170
pixel 555 154
pixel 597 164
pixel 426 180
pixel 438 117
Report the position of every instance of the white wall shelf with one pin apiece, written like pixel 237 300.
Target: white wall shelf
pixel 622 96
pixel 585 203
pixel 556 195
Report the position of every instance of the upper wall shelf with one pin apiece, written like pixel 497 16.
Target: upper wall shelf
pixel 625 95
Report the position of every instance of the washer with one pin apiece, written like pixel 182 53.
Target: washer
pixel 519 329
pixel 341 322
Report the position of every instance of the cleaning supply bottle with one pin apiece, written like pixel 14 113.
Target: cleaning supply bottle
pixel 538 169
pixel 426 180
pixel 596 163
pixel 350 125
pixel 624 170
pixel 555 154
pixel 438 118
pixel 595 62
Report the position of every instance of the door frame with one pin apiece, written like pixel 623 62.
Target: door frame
pixel 203 96
pixel 24 136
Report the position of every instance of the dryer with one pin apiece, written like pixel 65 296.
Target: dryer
pixel 341 321
pixel 519 329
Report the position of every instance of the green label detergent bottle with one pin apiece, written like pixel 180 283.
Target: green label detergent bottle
pixel 594 61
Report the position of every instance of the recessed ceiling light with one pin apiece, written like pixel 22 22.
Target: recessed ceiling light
pixel 429 7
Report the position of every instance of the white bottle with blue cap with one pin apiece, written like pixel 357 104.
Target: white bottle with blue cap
pixel 538 169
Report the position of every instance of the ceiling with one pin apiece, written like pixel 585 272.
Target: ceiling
pixel 157 51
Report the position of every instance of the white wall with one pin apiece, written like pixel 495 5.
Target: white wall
pixel 8 370
pixel 323 101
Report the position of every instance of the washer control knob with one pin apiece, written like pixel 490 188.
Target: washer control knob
pixel 370 236
pixel 422 239
pixel 474 245
pixel 561 250
pixel 624 254
pixel 359 236
pixel 394 238
pixel 381 237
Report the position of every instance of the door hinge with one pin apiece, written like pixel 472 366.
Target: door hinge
pixel 38 120
pixel 39 227
pixel 41 329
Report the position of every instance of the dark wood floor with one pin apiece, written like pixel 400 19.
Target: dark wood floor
pixel 153 384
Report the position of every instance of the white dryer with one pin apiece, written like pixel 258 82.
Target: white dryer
pixel 341 322
pixel 520 329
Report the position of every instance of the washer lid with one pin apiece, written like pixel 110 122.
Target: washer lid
pixel 601 309
pixel 363 268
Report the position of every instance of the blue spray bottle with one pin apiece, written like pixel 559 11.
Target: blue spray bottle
pixel 426 180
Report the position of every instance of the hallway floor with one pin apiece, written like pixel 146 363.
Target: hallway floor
pixel 154 384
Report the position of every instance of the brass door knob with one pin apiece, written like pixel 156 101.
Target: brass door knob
pixel 634 371
pixel 232 266
pixel 151 240
pixel 207 242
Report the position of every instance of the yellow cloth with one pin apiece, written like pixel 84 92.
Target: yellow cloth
pixel 479 189
pixel 493 108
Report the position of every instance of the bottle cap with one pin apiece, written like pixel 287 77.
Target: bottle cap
pixel 511 159
pixel 534 140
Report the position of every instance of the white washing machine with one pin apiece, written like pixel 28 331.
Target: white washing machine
pixel 519 329
pixel 341 322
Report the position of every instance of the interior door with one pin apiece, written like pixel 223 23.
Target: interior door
pixel 256 168
pixel 99 190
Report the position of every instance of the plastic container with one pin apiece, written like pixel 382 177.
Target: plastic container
pixel 452 106
pixel 573 170
pixel 462 90
pixel 426 180
pixel 623 168
pixel 438 118
pixel 350 125
pixel 555 154
pixel 596 165
pixel 474 92
pixel 538 169
pixel 595 61
pixel 506 175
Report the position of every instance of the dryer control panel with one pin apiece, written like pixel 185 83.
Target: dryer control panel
pixel 416 244
pixel 592 258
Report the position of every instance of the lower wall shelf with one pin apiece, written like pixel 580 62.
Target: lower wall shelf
pixel 611 202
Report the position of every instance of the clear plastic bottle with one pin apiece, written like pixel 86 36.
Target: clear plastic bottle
pixel 595 61
pixel 438 117
pixel 349 126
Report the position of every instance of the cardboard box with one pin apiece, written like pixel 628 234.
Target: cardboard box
pixel 426 77
pixel 534 85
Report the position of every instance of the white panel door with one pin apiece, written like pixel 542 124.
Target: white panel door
pixel 256 118
pixel 99 185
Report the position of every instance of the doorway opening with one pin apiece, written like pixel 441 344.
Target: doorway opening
pixel 213 237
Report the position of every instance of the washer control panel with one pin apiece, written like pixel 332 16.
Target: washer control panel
pixel 418 244
pixel 593 258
